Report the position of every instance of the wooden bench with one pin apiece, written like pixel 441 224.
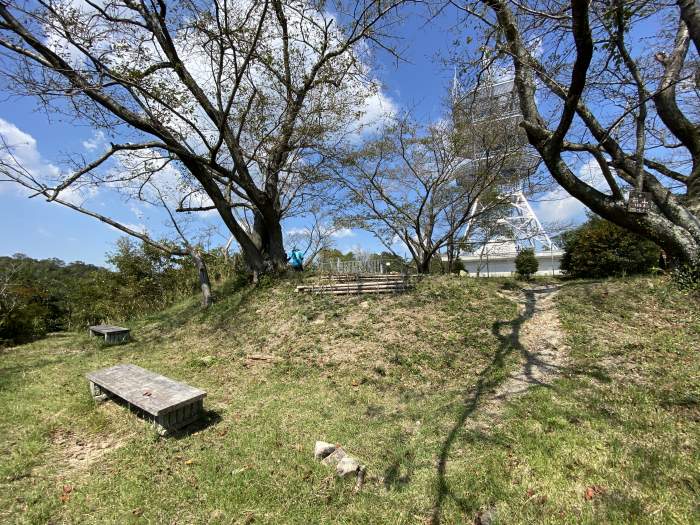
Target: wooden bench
pixel 112 334
pixel 170 404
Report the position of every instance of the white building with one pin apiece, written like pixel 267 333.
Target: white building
pixel 497 259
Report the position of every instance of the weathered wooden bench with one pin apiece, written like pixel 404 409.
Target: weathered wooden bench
pixel 169 404
pixel 112 334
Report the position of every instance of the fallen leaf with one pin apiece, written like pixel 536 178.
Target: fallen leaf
pixel 189 461
pixel 65 495
pixel 593 491
pixel 137 512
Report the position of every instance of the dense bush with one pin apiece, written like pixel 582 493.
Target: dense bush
pixel 687 277
pixel 599 248
pixel 458 266
pixel 40 296
pixel 526 264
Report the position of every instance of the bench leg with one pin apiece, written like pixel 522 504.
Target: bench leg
pixel 180 417
pixel 97 393
pixel 118 338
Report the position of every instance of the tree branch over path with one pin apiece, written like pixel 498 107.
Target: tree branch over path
pixel 242 99
pixel 607 71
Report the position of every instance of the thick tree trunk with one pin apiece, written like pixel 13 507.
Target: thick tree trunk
pixel 423 265
pixel 204 283
pixel 671 224
pixel 690 13
pixel 268 238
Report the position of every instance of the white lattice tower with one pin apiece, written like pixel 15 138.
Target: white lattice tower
pixel 522 222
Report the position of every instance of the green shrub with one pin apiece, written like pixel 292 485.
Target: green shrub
pixel 526 264
pixel 687 277
pixel 599 248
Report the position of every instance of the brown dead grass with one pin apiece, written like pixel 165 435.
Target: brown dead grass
pixel 77 452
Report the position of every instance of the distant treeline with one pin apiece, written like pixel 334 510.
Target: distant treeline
pixel 41 296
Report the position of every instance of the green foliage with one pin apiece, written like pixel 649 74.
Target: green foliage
pixel 458 266
pixel 526 264
pixel 600 248
pixel 687 277
pixel 330 254
pixel 41 296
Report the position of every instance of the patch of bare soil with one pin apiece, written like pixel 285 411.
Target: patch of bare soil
pixel 540 339
pixel 75 452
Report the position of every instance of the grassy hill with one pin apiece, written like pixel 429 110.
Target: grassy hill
pixel 616 438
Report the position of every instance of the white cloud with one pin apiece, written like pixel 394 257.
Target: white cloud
pixel 377 110
pixel 557 206
pixel 343 233
pixel 23 155
pixel 97 140
pixel 19 150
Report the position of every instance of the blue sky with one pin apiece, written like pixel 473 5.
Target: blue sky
pixel 42 230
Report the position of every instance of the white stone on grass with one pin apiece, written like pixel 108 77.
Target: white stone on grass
pixel 323 450
pixel 347 466
pixel 334 458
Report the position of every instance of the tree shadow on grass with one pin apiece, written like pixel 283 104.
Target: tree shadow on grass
pixel 508 335
pixel 490 379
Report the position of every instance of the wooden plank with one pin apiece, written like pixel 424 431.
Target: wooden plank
pixel 348 291
pixel 107 329
pixel 352 287
pixel 151 392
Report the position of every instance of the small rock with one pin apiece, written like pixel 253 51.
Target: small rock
pixel 485 517
pixel 364 304
pixel 323 449
pixel 334 458
pixel 462 273
pixel 346 466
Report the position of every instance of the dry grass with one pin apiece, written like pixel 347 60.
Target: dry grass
pixel 395 380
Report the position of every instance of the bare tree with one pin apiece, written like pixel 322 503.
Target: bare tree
pixel 420 186
pixel 13 171
pixel 235 96
pixel 591 89
pixel 314 238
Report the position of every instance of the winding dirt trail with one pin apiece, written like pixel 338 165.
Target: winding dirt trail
pixel 536 335
pixel 540 340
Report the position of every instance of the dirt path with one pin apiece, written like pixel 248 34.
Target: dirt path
pixel 536 335
pixel 540 340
